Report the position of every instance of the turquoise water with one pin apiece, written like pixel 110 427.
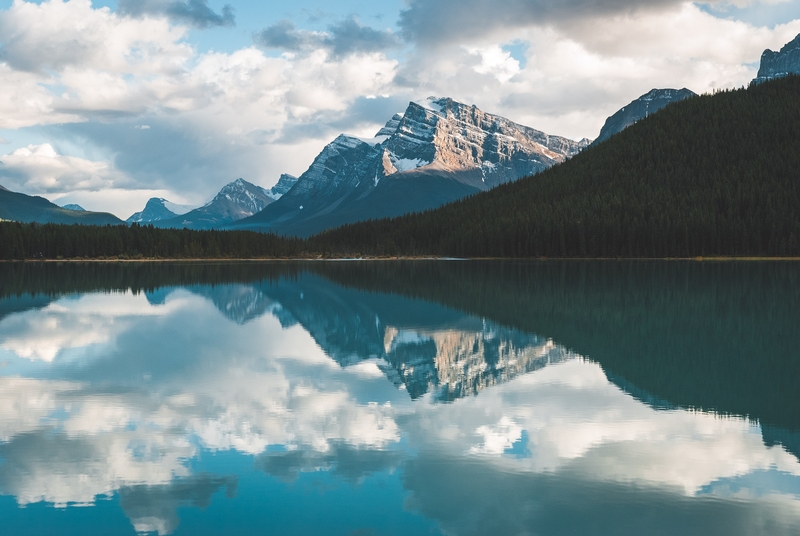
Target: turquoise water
pixel 362 398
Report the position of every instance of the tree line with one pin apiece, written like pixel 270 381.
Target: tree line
pixel 55 241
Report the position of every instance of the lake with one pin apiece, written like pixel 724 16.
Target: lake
pixel 407 397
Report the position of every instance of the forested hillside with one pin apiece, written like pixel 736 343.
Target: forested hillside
pixel 712 175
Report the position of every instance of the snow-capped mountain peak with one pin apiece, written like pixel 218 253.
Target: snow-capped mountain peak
pixel 437 151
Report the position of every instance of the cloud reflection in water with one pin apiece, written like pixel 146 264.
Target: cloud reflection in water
pixel 489 429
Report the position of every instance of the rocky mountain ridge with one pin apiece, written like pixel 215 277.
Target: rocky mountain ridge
pixel 435 152
pixel 781 63
pixel 236 200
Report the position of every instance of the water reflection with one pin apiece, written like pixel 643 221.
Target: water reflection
pixel 200 400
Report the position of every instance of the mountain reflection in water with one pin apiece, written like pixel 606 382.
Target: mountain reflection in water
pixel 400 398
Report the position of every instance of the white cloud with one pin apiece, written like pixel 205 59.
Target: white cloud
pixel 57 34
pixel 581 71
pixel 495 61
pixel 40 169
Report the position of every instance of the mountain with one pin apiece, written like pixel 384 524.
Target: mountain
pixel 73 206
pixel 284 184
pixel 25 208
pixel 156 209
pixel 236 200
pixel 645 105
pixel 779 64
pixel 707 176
pixel 437 151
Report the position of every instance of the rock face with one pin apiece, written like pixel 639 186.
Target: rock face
pixel 438 151
pixel 645 105
pixel 779 64
pixel 238 199
pixel 26 208
pixel 154 210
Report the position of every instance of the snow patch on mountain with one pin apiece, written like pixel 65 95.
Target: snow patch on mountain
pixel 406 164
pixel 284 184
pixel 178 208
pixel 433 104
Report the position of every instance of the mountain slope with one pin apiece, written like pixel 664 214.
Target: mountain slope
pixel 25 208
pixel 236 200
pixel 437 151
pixel 640 108
pixel 711 175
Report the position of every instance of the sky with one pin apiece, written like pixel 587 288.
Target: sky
pixel 108 103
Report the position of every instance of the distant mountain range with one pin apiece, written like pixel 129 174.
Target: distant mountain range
pixel 26 208
pixel 73 206
pixel 236 200
pixel 438 151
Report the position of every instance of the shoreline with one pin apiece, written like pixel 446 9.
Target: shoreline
pixel 419 258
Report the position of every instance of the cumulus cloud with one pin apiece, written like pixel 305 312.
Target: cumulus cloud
pixel 342 38
pixel 195 13
pixel 40 169
pixel 496 62
pixel 56 34
pixel 582 71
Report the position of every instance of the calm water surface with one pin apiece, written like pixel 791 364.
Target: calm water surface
pixel 458 398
